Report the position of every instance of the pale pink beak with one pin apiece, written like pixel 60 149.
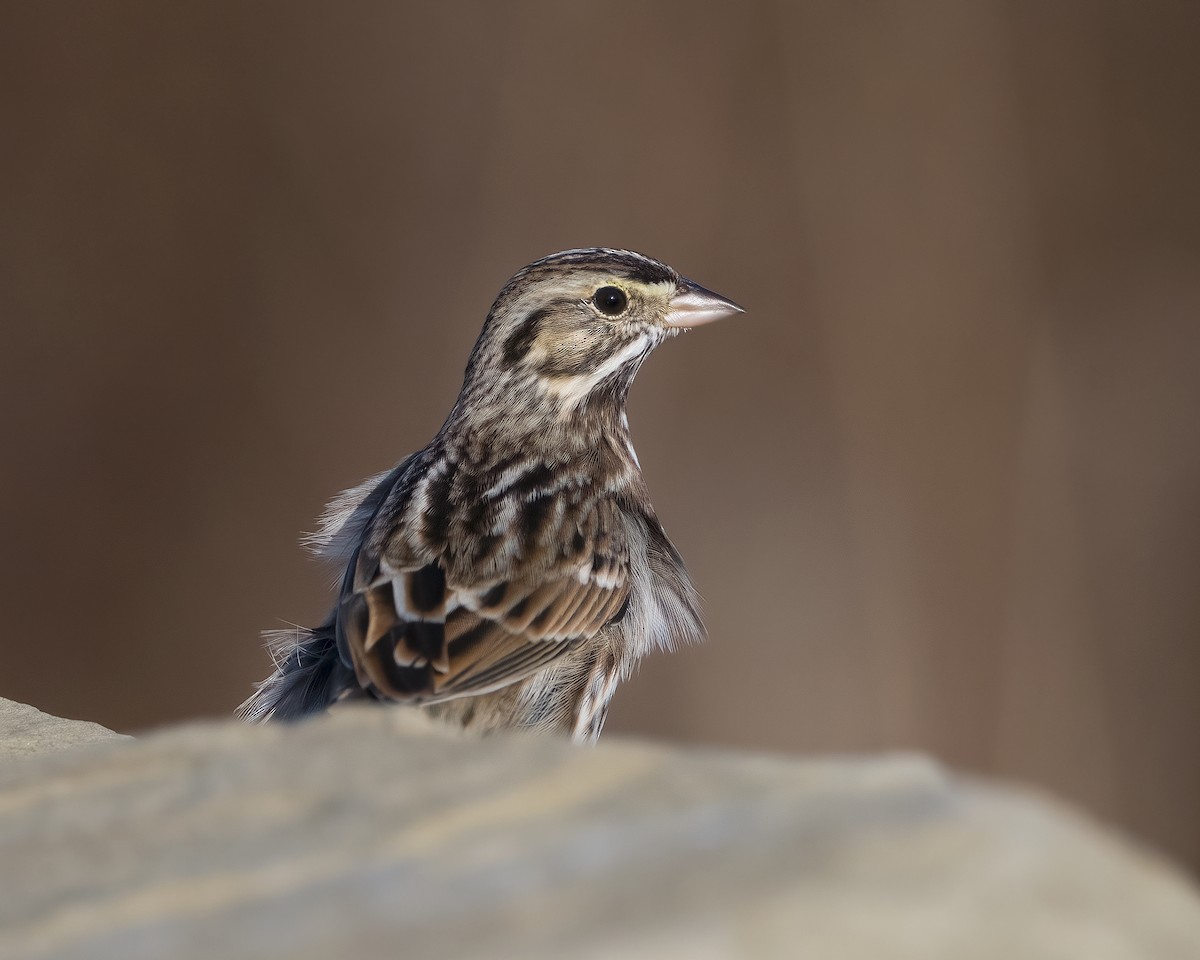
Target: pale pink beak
pixel 692 305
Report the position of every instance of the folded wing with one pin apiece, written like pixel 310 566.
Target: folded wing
pixel 420 634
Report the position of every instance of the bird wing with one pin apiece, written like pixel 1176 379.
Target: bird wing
pixel 418 633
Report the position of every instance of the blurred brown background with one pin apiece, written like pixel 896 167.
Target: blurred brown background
pixel 939 487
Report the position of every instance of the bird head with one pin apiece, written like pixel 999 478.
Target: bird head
pixel 570 331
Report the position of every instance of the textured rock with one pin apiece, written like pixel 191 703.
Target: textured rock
pixel 25 731
pixel 366 834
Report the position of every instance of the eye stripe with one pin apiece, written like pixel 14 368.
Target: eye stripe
pixel 521 340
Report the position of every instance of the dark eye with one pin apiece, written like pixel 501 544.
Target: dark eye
pixel 610 300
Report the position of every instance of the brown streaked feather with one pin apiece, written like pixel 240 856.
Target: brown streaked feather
pixel 502 658
pixel 381 613
pixel 417 635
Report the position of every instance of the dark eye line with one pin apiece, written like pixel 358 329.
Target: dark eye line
pixel 520 340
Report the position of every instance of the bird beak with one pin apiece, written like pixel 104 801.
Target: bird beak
pixel 692 305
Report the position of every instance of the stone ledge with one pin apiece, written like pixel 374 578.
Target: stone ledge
pixel 369 834
pixel 25 731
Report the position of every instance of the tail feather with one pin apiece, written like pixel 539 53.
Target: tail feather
pixel 309 676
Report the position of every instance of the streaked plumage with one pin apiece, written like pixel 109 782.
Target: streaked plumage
pixel 512 572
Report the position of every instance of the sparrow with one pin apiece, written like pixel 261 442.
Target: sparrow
pixel 513 572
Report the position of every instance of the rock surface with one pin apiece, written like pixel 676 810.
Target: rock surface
pixel 26 731
pixel 368 834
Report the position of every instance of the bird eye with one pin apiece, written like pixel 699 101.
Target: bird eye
pixel 610 301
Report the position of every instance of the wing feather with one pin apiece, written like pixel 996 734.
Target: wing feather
pixel 416 631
